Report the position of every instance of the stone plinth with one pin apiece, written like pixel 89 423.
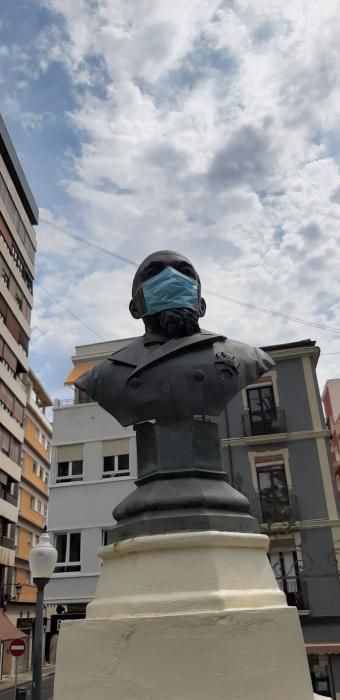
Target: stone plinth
pixel 191 616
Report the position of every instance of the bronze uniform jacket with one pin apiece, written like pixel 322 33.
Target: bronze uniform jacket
pixel 193 375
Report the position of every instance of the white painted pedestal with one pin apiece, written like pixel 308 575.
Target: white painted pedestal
pixel 191 616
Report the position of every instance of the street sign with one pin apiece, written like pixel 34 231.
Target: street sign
pixel 17 647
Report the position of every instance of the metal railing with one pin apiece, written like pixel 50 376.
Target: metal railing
pixel 6 542
pixel 253 424
pixel 270 512
pixel 6 495
pixel 75 401
pixel 295 591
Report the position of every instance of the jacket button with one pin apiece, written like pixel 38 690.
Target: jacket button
pixel 198 374
pixel 135 382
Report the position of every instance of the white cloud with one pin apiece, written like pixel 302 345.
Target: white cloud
pixel 207 128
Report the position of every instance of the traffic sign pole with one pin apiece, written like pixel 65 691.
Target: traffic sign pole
pixel 17 648
pixel 16 677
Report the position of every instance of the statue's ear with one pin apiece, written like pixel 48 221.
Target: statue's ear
pixel 202 308
pixel 133 308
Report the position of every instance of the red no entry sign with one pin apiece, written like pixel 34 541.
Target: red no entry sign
pixel 17 647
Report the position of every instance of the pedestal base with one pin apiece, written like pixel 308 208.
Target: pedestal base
pixel 195 616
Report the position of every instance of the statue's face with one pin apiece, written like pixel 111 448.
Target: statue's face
pixel 166 292
pixel 157 262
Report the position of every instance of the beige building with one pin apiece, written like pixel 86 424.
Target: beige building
pixel 18 215
pixel 33 501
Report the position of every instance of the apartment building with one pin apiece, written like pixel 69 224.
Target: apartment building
pixel 276 450
pixel 18 215
pixel 331 404
pixel 32 515
pixel 93 468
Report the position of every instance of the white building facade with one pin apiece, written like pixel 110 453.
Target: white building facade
pixel 94 466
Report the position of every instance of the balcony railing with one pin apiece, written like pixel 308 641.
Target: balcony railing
pixel 270 511
pixel 295 590
pixel 75 401
pixel 6 542
pixel 5 495
pixel 259 425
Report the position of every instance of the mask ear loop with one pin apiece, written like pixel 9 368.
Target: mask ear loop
pixel 139 297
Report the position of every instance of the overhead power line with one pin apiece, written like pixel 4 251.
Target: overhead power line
pixel 89 243
pixel 314 324
pixel 232 300
pixel 69 311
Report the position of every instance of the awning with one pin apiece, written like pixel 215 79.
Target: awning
pixel 7 629
pixel 322 648
pixel 77 371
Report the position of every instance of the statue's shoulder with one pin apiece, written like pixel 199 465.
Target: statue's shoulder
pixel 129 351
pixel 252 361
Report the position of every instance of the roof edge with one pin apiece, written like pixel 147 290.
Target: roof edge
pixel 17 174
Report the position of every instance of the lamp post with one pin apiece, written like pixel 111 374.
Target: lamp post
pixel 42 561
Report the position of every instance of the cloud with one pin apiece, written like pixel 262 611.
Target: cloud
pixel 247 158
pixel 205 126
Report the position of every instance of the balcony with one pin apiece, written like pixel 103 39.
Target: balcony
pixel 295 590
pixel 270 511
pixel 75 401
pixel 255 424
pixel 7 542
pixel 9 497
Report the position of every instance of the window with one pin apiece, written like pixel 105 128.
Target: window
pixel 5 277
pixel 16 218
pixel 67 545
pixel 273 492
pixel 41 473
pixel 116 465
pixel 19 300
pixel 9 445
pixel 10 403
pixel 105 536
pixel 39 506
pixel 262 409
pixel 13 325
pixel 70 471
pixel 45 509
pixel 8 358
pixel 32 503
pixel 35 467
pixel 46 478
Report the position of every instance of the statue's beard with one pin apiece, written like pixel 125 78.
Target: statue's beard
pixel 175 323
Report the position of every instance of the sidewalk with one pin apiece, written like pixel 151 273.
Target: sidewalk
pixel 8 681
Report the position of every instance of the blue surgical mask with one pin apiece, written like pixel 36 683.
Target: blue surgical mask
pixel 170 289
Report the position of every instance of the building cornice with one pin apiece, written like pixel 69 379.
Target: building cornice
pixel 288 353
pixel 286 528
pixel 274 438
pixel 106 438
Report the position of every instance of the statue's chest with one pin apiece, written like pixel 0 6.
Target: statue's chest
pixel 189 383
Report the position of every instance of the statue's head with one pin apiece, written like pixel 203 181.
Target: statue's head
pixel 166 294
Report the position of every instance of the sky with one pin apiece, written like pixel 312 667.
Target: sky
pixel 208 127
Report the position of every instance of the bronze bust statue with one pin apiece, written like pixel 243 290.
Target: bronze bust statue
pixel 169 384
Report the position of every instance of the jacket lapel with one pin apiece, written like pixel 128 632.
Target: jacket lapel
pixel 172 347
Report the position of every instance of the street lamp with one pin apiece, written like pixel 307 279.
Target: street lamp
pixel 42 561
